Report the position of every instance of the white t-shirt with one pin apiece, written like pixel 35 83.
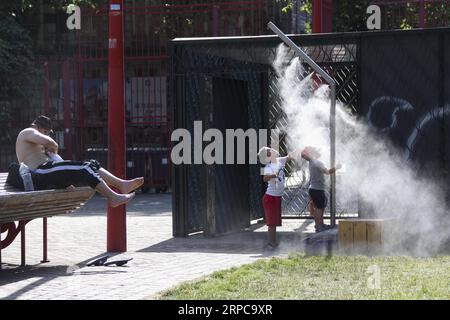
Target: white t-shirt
pixel 275 186
pixel 316 175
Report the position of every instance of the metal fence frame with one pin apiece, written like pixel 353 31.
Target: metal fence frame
pixel 347 73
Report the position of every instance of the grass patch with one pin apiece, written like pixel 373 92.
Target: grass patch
pixel 313 277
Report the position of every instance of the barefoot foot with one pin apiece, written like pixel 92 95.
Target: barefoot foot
pixel 121 199
pixel 131 185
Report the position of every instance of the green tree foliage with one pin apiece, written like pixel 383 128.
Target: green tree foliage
pixel 16 58
pixel 17 62
pixel 350 15
pixel 306 7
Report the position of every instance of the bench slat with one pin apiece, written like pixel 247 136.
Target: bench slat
pixel 37 205
pixel 46 212
pixel 18 205
pixel 44 195
pixel 17 208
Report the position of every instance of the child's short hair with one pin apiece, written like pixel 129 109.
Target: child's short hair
pixel 263 155
pixel 309 153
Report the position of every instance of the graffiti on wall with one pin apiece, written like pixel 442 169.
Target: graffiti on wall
pixel 421 136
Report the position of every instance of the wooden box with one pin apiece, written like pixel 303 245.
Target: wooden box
pixel 363 235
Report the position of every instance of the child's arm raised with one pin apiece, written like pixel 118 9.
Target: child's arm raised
pixel 268 177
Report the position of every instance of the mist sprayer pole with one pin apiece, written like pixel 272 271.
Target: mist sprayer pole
pixel 303 56
pixel 333 153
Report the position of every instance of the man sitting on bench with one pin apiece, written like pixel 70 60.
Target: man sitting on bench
pixel 38 151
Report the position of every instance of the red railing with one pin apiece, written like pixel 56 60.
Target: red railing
pixel 148 30
pixel 74 88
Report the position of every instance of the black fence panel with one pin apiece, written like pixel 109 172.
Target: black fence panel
pixel 230 111
pixel 404 94
pixel 445 75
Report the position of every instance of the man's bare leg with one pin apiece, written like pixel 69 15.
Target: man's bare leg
pixel 311 208
pixel 318 217
pixel 114 199
pixel 125 186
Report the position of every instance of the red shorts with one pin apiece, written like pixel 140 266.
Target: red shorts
pixel 272 210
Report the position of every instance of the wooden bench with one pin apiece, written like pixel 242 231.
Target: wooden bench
pixel 22 207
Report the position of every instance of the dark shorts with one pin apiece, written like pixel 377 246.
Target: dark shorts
pixel 272 210
pixel 319 198
pixel 65 173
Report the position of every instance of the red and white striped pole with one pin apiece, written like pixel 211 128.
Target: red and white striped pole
pixel 116 223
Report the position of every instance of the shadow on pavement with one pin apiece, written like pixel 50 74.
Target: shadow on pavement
pixel 11 273
pixel 251 242
pixel 141 205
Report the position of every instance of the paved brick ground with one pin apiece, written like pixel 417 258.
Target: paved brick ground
pixel 159 260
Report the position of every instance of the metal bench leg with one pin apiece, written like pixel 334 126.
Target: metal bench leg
pixel 0 247
pixel 22 244
pixel 44 239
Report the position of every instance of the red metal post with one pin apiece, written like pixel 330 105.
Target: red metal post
pixel 67 112
pixel 322 16
pixel 317 27
pixel 116 223
pixel 317 16
pixel 327 16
